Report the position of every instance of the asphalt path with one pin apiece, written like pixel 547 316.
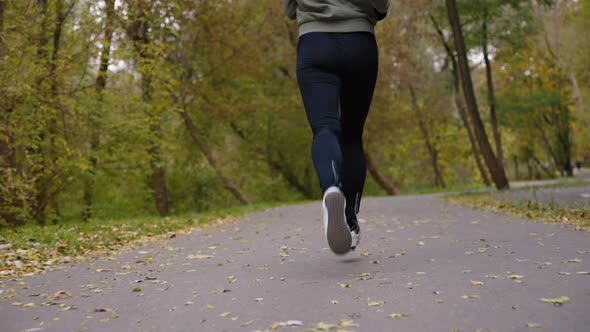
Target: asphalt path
pixel 422 265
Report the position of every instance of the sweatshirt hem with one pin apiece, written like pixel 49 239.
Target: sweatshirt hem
pixel 351 25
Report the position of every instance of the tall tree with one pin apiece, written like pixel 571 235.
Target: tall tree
pixel 139 30
pixel 494 166
pixel 490 88
pixel 459 103
pixel 93 125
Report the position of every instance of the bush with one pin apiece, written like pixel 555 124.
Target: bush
pixel 16 193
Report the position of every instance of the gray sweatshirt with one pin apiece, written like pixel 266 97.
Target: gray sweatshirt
pixel 336 15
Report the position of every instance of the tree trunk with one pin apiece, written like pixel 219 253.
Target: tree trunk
pixel 7 156
pixel 49 170
pixel 2 6
pixel 491 93
pixel 43 39
pixel 542 167
pixel 158 182
pixel 565 140
pixel 496 171
pixel 100 85
pixel 139 33
pixel 432 151
pixel 279 166
pixel 459 104
pixel 378 176
pixel 227 182
pixel 576 92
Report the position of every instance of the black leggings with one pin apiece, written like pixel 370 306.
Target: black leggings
pixel 337 74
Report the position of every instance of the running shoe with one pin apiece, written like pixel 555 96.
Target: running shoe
pixel 355 234
pixel 336 228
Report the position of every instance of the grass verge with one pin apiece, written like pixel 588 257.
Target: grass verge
pixel 33 249
pixel 578 218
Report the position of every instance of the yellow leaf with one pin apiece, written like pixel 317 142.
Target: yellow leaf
pixel 573 260
pixel 559 301
pixel 376 303
pixel 198 256
pixel 470 297
pixel 396 315
pixel 515 276
pixel 477 283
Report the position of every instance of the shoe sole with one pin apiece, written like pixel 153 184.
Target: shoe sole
pixel 337 233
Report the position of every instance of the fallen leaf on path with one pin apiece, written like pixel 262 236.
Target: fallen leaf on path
pixel 364 276
pixel 515 276
pixel 477 283
pixel 248 323
pixel 290 323
pixel 334 302
pixel 225 314
pixel 103 270
pixel 470 297
pixel 198 256
pixel 439 301
pixel 348 323
pixel 583 273
pixel 345 285
pixel 533 325
pixel 376 303
pixel 61 293
pixel 334 327
pixel 556 301
pixel 573 260
pixel 68 308
pixel 396 315
pixel 325 327
pixel 136 289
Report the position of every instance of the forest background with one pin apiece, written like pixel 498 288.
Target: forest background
pixel 125 108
